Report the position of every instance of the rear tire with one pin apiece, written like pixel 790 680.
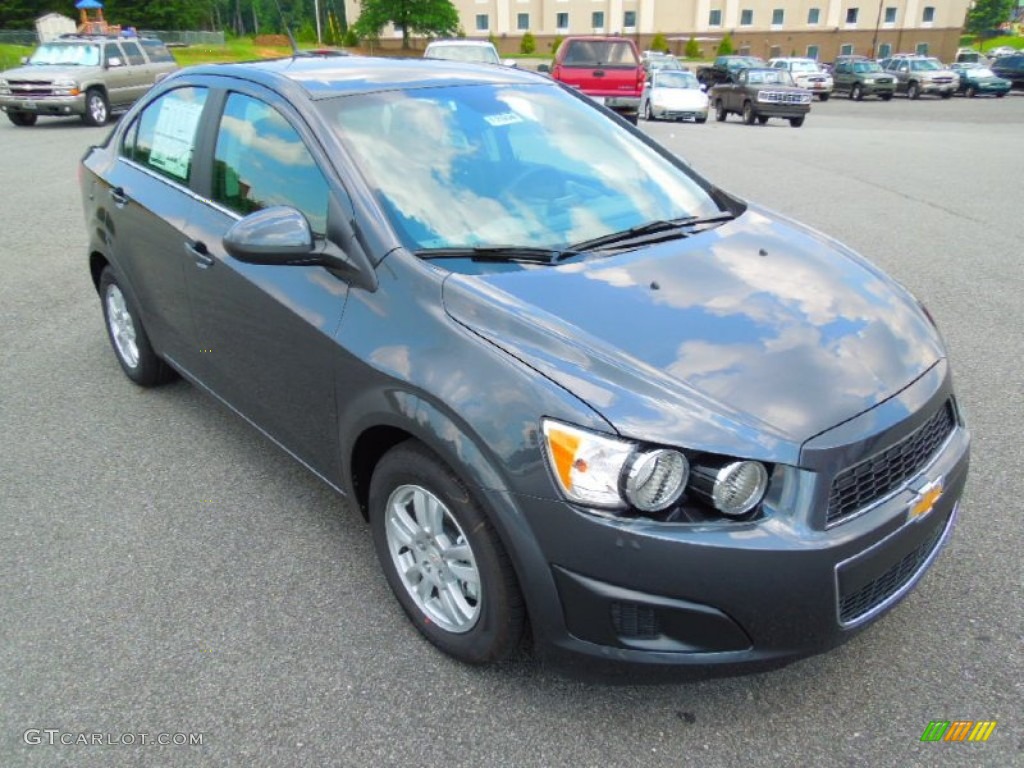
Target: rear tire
pixel 442 557
pixel 823 96
pixel 702 120
pixel 748 113
pixel 914 91
pixel 796 122
pixel 885 96
pixel 97 108
pixel 649 113
pixel 947 94
pixel 971 91
pixel 22 119
pixel 127 336
pixel 720 113
pixel 857 93
pixel 762 119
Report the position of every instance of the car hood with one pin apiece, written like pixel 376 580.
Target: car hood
pixel 747 339
pixel 47 72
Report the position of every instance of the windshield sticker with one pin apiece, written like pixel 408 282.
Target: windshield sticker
pixel 504 118
pixel 172 138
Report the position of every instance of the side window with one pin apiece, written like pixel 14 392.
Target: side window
pixel 111 51
pixel 156 51
pixel 260 161
pixel 164 136
pixel 134 54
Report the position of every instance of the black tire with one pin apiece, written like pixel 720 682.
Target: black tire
pixel 500 618
pixel 97 108
pixel 913 91
pixel 823 96
pixel 1000 94
pixel 971 91
pixel 144 368
pixel 796 122
pixel 22 119
pixel 648 112
pixel 702 120
pixel 947 94
pixel 762 119
pixel 857 93
pixel 720 113
pixel 885 96
pixel 748 113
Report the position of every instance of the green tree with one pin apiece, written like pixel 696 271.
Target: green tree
pixel 555 43
pixel 692 49
pixel 988 14
pixel 725 47
pixel 528 44
pixel 437 18
pixel 659 43
pixel 351 39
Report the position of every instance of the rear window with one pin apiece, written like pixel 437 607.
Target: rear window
pixel 600 53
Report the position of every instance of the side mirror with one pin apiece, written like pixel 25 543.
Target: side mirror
pixel 544 69
pixel 273 236
pixel 24 59
pixel 511 63
pixel 114 61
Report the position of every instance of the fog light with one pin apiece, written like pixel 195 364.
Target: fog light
pixel 655 479
pixel 733 489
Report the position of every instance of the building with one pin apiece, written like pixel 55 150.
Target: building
pixel 817 28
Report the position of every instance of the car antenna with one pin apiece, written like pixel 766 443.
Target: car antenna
pixel 287 29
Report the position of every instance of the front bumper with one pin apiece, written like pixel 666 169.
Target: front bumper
pixel 737 594
pixel 875 89
pixel 940 88
pixel 781 110
pixel 669 113
pixel 50 105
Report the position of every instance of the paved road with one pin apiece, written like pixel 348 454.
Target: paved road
pixel 168 570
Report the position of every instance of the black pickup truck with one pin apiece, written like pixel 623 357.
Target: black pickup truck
pixel 726 67
pixel 759 94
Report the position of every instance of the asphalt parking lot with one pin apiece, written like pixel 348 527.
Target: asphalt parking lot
pixel 168 570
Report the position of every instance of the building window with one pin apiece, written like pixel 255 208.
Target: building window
pixel 597 19
pixel 629 19
pixel 922 49
pixel 814 16
pixel 715 18
pixel 746 17
pixel 775 52
pixel 846 49
pixel 778 17
pixel 884 50
pixel 929 14
pixel 562 21
pixel 890 14
pixel 482 23
pixel 522 21
pixel 851 15
pixel 812 52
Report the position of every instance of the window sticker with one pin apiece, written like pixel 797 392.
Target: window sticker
pixel 172 138
pixel 504 118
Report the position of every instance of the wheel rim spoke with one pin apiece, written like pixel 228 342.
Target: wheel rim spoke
pixel 122 327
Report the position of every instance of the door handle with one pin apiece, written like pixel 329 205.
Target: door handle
pixel 119 197
pixel 199 252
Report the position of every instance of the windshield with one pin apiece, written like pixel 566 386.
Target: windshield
pixel 924 65
pixel 743 62
pixel 676 80
pixel 803 66
pixel 67 55
pixel 866 66
pixel 769 77
pixel 981 72
pixel 664 63
pixel 472 53
pixel 485 166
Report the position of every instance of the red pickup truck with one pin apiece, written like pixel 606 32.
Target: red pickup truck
pixel 607 69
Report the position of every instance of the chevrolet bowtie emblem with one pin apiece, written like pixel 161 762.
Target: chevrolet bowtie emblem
pixel 926 499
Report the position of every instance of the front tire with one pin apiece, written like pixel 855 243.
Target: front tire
pixel 823 96
pixel 127 336
pixel 22 119
pixel 442 557
pixel 97 108
pixel 649 113
pixel 914 91
pixel 857 93
pixel 762 119
pixel 885 96
pixel 748 113
pixel 720 113
pixel 971 92
pixel 796 122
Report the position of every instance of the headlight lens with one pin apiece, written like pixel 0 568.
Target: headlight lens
pixel 733 489
pixel 655 479
pixel 5 89
pixel 586 465
pixel 65 87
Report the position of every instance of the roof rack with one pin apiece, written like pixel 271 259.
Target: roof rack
pixel 108 36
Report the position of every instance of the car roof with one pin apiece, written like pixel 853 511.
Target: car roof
pixel 466 43
pixel 340 76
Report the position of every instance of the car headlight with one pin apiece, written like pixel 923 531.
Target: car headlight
pixel 65 87
pixel 733 488
pixel 602 471
pixel 869 80
pixel 5 89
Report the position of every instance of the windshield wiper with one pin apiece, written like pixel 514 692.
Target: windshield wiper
pixel 527 253
pixel 664 228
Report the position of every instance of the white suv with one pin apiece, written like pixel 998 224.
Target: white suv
pixel 472 51
pixel 806 74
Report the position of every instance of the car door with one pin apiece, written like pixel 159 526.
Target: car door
pixel 146 199
pixel 139 75
pixel 267 332
pixel 117 75
pixel 841 76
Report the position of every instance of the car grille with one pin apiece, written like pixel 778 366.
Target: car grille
pixel 854 605
pixel 883 80
pixel 635 621
pixel 864 483
pixel 942 80
pixel 29 88
pixel 784 97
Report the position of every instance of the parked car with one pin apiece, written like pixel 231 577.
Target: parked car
pixel 1003 50
pixel 759 94
pixel 673 95
pixel 469 51
pixel 725 67
pixel 807 73
pixel 860 77
pixel 978 80
pixel 918 75
pixel 86 75
pixel 1010 68
pixel 572 385
pixel 607 69
pixel 653 62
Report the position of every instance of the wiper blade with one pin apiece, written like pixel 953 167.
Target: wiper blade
pixel 671 227
pixel 527 253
